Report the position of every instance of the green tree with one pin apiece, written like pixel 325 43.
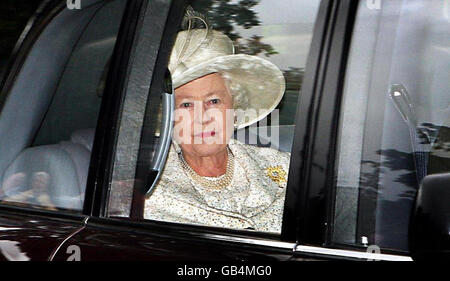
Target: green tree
pixel 224 15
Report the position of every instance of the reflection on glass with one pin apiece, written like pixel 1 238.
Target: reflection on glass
pixel 395 119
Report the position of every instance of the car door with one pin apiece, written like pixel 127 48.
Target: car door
pixel 49 103
pixel 351 182
pixel 378 116
pixel 116 229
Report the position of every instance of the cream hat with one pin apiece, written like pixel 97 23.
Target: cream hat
pixel 257 85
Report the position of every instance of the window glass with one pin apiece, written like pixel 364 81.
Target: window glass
pixel 395 120
pixel 237 69
pixel 48 119
pixel 14 15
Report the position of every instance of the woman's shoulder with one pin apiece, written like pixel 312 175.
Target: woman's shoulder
pixel 266 162
pixel 268 167
pixel 261 153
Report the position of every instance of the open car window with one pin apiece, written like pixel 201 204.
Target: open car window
pixel 273 36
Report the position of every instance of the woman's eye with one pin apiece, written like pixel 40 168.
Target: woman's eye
pixel 214 101
pixel 186 104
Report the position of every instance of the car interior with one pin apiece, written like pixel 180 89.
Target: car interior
pixel 53 103
pixel 52 108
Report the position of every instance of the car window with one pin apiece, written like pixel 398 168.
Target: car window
pixel 49 114
pixel 245 57
pixel 395 119
pixel 14 16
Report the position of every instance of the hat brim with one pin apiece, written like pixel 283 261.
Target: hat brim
pixel 259 80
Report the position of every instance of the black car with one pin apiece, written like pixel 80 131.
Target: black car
pixel 365 116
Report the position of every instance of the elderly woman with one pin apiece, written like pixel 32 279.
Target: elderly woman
pixel 209 177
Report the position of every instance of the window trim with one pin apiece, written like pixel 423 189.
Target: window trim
pixel 168 34
pixel 63 215
pixel 256 241
pixel 128 46
pixel 107 130
pixel 330 109
pixel 296 188
pixel 310 201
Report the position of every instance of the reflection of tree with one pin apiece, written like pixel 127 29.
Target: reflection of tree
pixel 392 209
pixel 288 105
pixel 391 161
pixel 254 46
pixel 439 158
pixel 225 15
pixel 294 78
pixel 439 135
pixel 426 132
pixel 394 160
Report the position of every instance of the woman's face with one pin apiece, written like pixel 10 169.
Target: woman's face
pixel 204 116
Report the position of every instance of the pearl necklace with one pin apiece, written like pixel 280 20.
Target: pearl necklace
pixel 223 182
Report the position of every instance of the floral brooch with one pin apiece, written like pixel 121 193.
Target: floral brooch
pixel 277 174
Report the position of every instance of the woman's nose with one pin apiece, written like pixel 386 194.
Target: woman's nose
pixel 201 115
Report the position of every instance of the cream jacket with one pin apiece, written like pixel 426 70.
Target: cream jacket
pixel 254 200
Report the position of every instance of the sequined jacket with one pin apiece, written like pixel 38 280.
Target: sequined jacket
pixel 254 200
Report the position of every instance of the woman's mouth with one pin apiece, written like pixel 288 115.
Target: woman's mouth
pixel 205 134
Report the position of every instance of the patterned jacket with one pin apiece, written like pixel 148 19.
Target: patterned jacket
pixel 254 200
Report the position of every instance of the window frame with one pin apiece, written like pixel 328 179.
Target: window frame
pixel 315 139
pixel 107 130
